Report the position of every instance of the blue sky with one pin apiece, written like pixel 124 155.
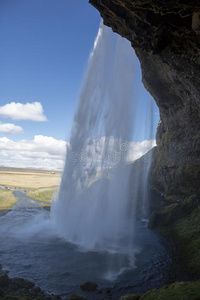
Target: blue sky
pixel 44 51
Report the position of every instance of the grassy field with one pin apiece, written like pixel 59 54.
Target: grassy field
pixel 7 200
pixel 39 185
pixel 43 194
pixel 29 179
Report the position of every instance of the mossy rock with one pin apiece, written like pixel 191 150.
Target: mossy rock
pixel 186 233
pixel 181 224
pixel 176 291
pixel 169 214
pixel 130 297
pixel 20 283
pixel 89 286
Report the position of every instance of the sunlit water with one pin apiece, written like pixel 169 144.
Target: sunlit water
pixel 94 209
pixel 30 248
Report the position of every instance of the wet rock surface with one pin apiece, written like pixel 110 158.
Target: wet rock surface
pixel 180 223
pixel 166 39
pixel 21 289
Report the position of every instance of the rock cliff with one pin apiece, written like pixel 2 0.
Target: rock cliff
pixel 166 37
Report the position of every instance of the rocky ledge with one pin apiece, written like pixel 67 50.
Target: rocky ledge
pixel 166 39
pixel 21 289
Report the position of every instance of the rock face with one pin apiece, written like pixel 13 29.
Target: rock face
pixel 166 39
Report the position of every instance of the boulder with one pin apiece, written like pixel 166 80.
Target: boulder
pixel 4 280
pixel 20 283
pixel 89 286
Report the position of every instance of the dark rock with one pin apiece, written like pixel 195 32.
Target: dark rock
pixel 36 290
pixel 165 37
pixel 169 214
pixel 21 289
pixel 89 286
pixel 4 280
pixel 47 207
pixel 56 297
pixel 76 297
pixel 20 283
pixel 42 297
pixel 11 297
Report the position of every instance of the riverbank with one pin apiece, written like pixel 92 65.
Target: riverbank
pixel 7 201
pixel 39 185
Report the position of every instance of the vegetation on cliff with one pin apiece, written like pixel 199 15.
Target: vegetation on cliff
pixel 181 224
pixel 175 291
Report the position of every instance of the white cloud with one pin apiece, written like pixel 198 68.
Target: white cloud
pixel 18 111
pixel 136 150
pixel 9 128
pixel 42 152
pixel 107 152
pixel 48 153
pixel 133 150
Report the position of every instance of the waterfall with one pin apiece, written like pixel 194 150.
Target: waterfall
pixel 94 208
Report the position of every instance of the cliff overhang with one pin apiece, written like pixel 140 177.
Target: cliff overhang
pixel 166 39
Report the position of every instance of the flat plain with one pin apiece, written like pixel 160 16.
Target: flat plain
pixel 29 179
pixel 37 184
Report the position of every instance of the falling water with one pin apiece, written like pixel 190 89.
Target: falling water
pixel 149 131
pixel 94 208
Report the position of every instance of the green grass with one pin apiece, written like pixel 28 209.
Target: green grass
pixel 176 291
pixel 7 200
pixel 43 194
